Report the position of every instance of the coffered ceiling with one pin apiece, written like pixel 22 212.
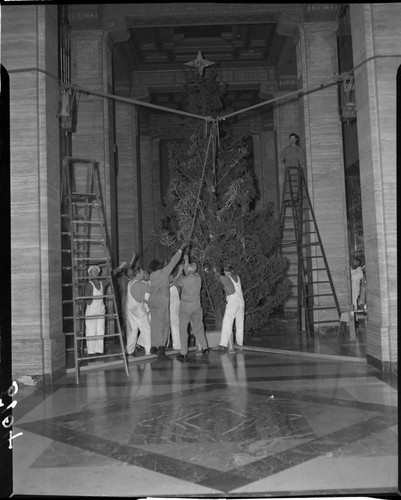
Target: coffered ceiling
pixel 251 43
pixel 239 46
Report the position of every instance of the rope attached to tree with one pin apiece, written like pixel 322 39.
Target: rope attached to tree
pixel 211 134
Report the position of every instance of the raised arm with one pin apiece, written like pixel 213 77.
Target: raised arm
pixel 176 258
pixel 118 269
pixel 124 264
pixel 134 258
pixel 217 274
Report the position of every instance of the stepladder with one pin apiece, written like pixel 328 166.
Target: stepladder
pixel 314 301
pixel 91 320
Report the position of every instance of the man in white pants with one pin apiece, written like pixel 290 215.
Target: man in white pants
pixel 137 313
pixel 235 310
pixel 174 314
pixel 94 327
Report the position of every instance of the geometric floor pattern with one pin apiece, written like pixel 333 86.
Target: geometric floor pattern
pixel 249 423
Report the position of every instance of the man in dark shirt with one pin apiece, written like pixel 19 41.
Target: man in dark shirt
pixel 190 308
pixel 293 155
pixel 159 301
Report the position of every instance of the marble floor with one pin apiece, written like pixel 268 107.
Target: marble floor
pixel 251 423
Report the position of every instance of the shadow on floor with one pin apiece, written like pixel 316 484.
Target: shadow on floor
pixel 283 334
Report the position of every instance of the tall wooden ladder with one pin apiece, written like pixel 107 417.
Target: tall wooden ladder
pixel 316 304
pixel 84 243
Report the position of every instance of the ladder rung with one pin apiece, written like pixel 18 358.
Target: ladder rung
pixel 84 221
pixel 80 203
pixel 102 356
pixel 91 240
pixel 100 316
pixel 83 297
pixel 81 336
pixel 80 195
pixel 71 301
pixel 326 321
pixel 319 295
pixel 100 261
pixel 322 308
pixel 93 337
pixel 107 277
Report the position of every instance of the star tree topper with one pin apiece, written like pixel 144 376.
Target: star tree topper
pixel 199 63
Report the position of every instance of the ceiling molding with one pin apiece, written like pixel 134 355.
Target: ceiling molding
pixel 321 12
pixel 85 17
pixel 195 14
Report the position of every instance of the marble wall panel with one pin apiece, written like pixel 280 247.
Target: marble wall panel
pixel 149 193
pixel 127 185
pixel 94 136
pixel 29 52
pixel 374 36
pixel 317 55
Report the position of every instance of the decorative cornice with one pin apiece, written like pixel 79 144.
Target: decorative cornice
pixel 195 13
pixel 85 17
pixel 290 21
pixel 287 82
pixel 321 12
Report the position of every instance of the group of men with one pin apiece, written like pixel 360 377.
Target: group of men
pixel 162 302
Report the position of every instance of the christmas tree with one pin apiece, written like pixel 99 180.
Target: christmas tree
pixel 209 203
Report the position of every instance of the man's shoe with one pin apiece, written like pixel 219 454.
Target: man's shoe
pixel 239 347
pixel 153 350
pixel 161 354
pixel 205 352
pixel 222 349
pixel 182 357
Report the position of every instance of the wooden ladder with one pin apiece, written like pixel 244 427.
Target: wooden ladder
pixel 84 243
pixel 316 300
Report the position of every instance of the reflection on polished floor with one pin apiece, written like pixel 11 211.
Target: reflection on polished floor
pixel 246 423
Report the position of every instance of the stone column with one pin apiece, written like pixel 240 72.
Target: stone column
pixel 30 55
pixel 377 60
pixel 318 62
pixel 94 135
pixel 151 204
pixel 128 181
